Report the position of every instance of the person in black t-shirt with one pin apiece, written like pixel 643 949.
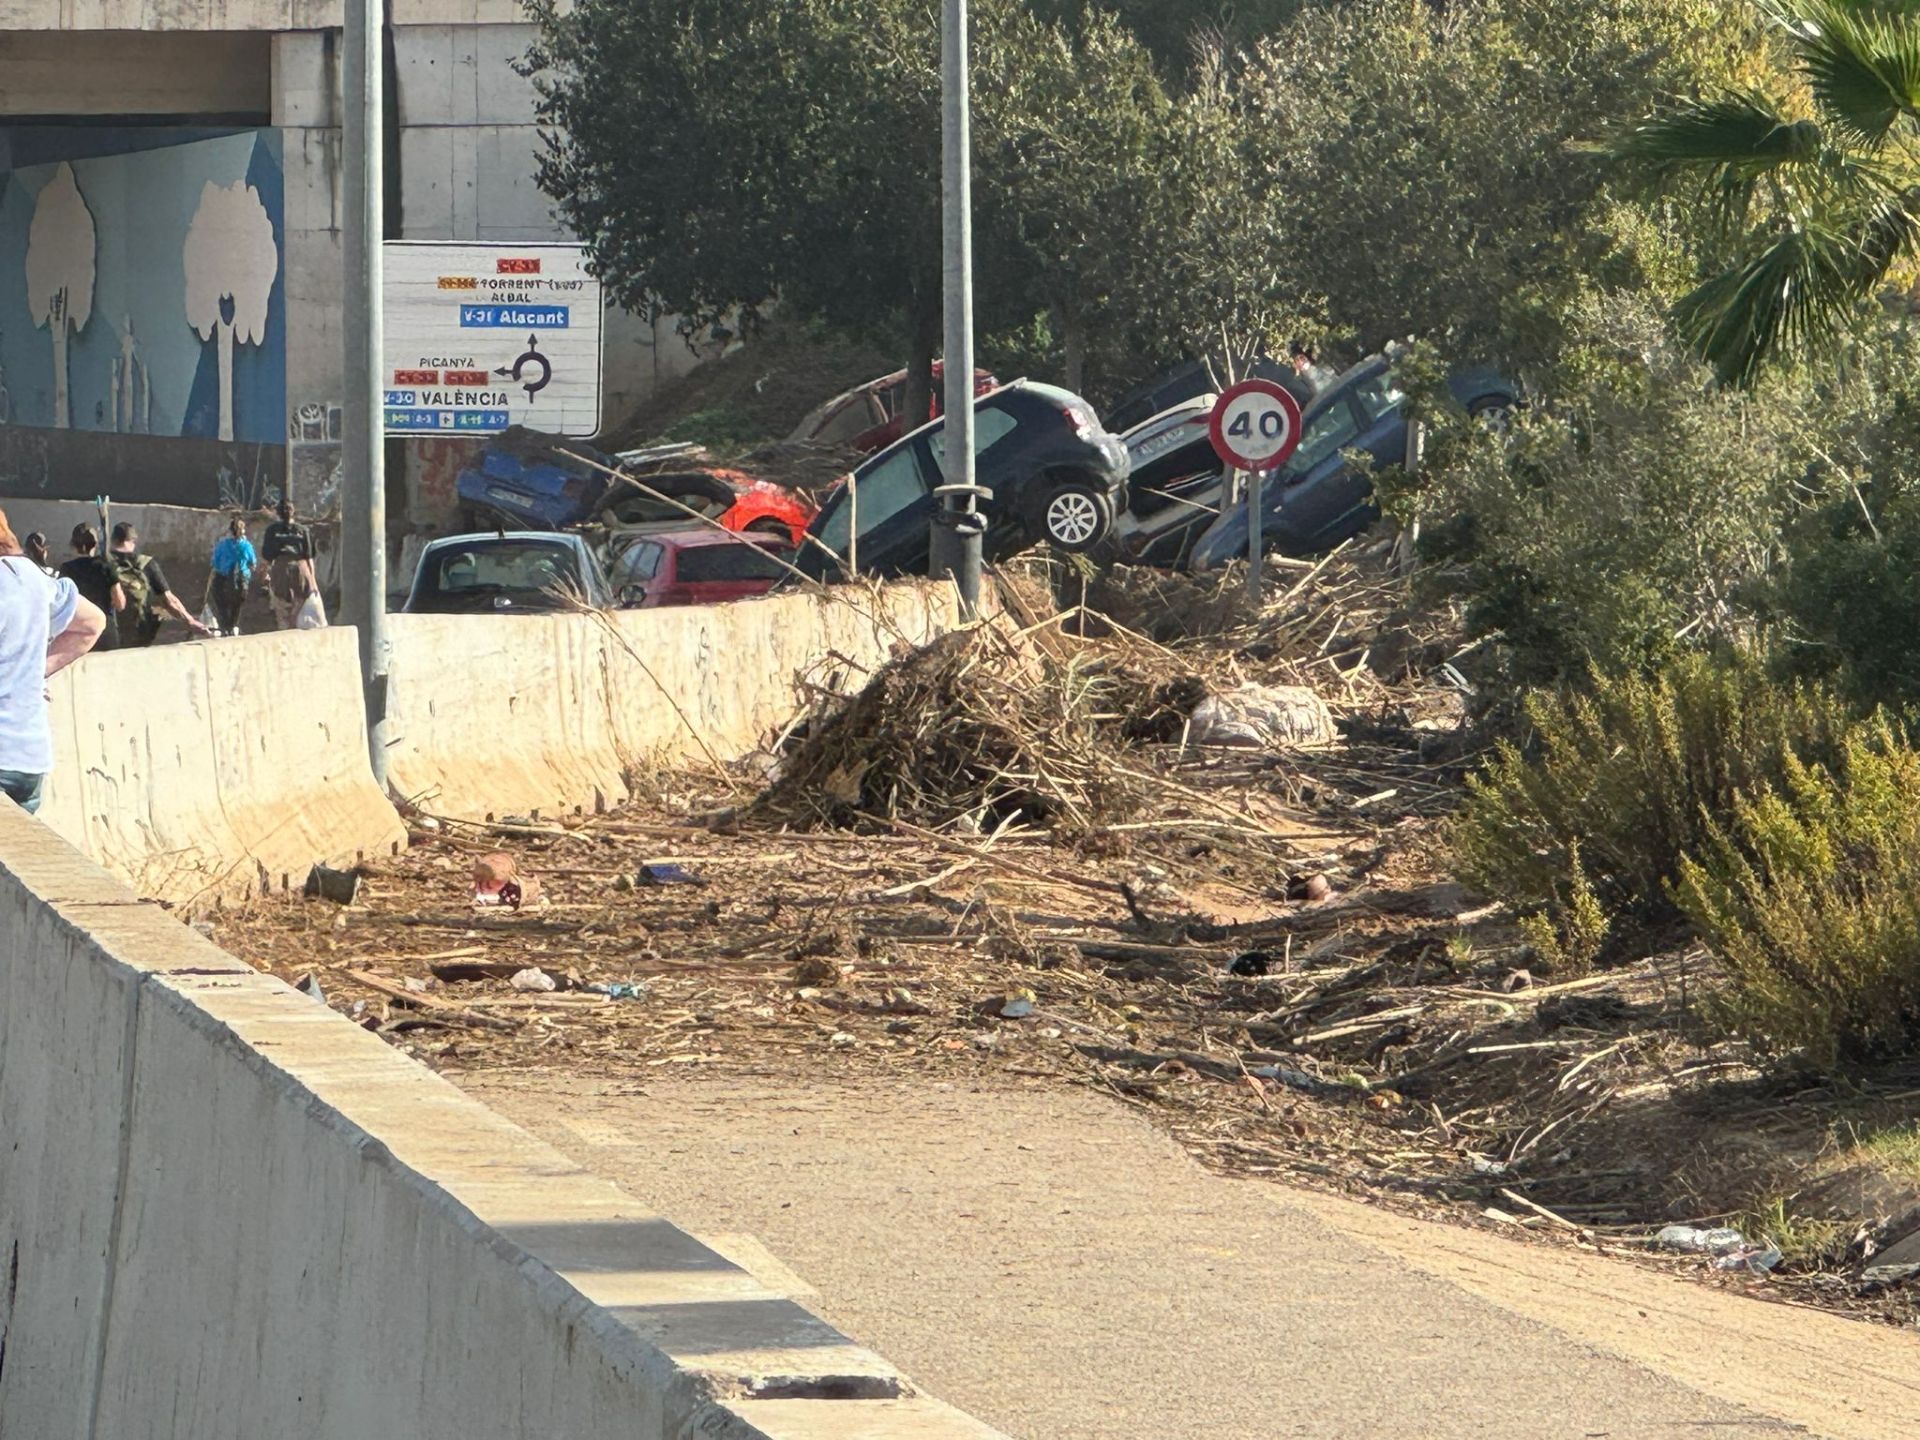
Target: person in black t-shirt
pixel 147 590
pixel 94 578
pixel 286 553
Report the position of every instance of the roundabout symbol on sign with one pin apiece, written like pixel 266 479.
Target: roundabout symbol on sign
pixel 1255 425
pixel 530 358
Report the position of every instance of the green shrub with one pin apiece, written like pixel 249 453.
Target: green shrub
pixel 1615 784
pixel 1809 898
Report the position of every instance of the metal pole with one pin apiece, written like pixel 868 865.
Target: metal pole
pixel 957 528
pixel 1256 484
pixel 363 517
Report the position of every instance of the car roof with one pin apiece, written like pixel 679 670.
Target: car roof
pixel 485 537
pixel 1184 413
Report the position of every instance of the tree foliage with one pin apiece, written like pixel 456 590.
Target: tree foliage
pixel 1809 170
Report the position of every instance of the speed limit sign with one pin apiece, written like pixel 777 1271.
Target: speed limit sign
pixel 1255 425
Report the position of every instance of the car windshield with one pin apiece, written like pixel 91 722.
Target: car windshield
pixel 1332 430
pixel 727 562
pixel 522 569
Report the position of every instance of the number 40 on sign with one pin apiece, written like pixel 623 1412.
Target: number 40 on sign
pixel 1255 425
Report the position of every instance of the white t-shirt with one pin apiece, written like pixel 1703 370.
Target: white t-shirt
pixel 33 606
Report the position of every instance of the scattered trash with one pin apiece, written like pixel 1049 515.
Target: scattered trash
pixel 1755 1262
pixel 497 881
pixel 1885 1277
pixel 339 886
pixel 1516 980
pixel 618 989
pixel 1014 1005
pixel 841 1040
pixel 536 979
pixel 309 985
pixel 1318 889
pixel 1484 1166
pixel 1263 716
pixel 1722 1240
pixel 665 875
pixel 1253 963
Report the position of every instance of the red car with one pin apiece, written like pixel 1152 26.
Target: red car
pixel 696 567
pixel 869 419
pixel 729 497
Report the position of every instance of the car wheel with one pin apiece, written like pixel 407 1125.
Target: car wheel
pixel 1075 517
pixel 1493 411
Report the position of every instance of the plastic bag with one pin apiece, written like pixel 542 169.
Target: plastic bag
pixel 312 615
pixel 210 618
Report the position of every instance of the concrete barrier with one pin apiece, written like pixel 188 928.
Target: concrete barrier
pixel 217 768
pixel 554 713
pixel 227 1212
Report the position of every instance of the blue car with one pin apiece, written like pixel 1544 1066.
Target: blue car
pixel 1317 499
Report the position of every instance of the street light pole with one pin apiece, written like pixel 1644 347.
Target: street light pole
pixel 958 526
pixel 363 509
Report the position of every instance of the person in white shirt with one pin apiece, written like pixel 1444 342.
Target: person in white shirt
pixel 44 627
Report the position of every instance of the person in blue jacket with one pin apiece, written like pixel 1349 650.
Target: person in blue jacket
pixel 233 565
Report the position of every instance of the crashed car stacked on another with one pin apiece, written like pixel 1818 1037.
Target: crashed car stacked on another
pixel 528 479
pixel 1053 472
pixel 1175 512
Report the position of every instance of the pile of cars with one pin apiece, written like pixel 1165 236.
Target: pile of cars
pixel 648 528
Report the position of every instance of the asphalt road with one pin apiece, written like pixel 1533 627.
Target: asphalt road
pixel 1049 1262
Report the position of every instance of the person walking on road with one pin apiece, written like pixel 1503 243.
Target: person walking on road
pixel 93 577
pixel 147 591
pixel 287 548
pixel 45 626
pixel 233 567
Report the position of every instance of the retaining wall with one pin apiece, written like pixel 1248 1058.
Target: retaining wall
pixel 491 718
pixel 228 1212
pixel 217 767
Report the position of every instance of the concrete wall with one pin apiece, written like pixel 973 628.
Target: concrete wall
pixel 227 1212
pixel 217 768
pixel 551 713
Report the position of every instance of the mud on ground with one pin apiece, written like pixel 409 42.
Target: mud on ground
pixel 1269 958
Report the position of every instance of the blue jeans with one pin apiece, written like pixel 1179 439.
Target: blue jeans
pixel 21 788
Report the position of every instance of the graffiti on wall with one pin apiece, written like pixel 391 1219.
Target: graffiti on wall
pixel 142 294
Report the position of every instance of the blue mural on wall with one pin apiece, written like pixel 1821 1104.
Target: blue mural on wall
pixel 142 294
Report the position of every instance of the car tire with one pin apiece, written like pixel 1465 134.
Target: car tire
pixel 767 525
pixel 1493 411
pixel 1074 517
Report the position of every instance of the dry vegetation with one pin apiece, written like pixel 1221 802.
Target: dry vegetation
pixel 1006 855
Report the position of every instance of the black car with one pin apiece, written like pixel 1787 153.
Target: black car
pixel 1055 474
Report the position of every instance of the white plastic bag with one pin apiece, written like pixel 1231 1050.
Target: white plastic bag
pixel 312 614
pixel 210 618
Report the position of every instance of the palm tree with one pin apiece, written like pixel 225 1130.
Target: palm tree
pixel 1820 198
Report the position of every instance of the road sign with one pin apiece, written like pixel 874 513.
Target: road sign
pixel 480 336
pixel 1255 425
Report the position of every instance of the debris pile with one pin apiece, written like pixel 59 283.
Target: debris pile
pixel 977 725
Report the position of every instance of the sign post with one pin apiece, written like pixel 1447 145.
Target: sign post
pixel 483 335
pixel 1255 426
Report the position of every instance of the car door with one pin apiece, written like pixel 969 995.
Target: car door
pixel 890 501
